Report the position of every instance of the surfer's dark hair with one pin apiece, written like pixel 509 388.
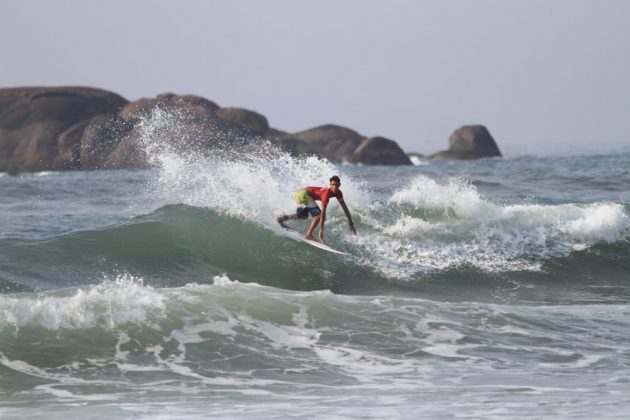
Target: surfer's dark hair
pixel 335 178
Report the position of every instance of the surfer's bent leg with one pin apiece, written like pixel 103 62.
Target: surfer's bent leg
pixel 317 214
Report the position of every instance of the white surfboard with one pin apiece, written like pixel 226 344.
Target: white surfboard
pixel 299 237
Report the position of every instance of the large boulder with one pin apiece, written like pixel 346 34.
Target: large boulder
pixel 32 120
pixel 469 142
pixel 89 144
pixel 186 123
pixel 254 122
pixel 128 154
pixel 284 140
pixel 68 154
pixel 100 138
pixel 190 104
pixel 85 128
pixel 340 144
pixel 379 151
pixel 275 134
pixel 332 142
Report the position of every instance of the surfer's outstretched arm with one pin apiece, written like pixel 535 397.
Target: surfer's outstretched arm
pixel 347 212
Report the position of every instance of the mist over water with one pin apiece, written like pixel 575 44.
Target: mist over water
pixel 486 289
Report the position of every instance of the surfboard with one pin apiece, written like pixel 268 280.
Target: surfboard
pixel 299 237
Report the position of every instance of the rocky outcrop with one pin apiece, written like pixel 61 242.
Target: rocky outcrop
pixel 340 144
pixel 33 119
pixel 332 142
pixel 101 137
pixel 469 142
pixel 379 151
pixel 187 123
pixel 191 105
pixel 254 122
pixel 85 128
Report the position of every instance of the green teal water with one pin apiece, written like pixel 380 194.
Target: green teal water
pixel 486 289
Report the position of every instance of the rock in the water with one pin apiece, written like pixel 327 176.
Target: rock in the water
pixel 85 128
pixel 275 134
pixel 251 120
pixel 188 124
pixel 469 142
pixel 32 120
pixel 340 144
pixel 190 104
pixel 379 151
pixel 100 138
pixel 332 142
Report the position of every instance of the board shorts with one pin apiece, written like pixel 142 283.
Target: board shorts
pixel 307 204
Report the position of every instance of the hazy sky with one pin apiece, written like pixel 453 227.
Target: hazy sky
pixel 546 77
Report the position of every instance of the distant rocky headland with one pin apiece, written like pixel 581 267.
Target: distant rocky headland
pixel 64 128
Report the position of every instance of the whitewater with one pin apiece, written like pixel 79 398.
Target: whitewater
pixel 477 289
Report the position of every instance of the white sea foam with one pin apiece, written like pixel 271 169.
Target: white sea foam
pixel 439 226
pixel 108 304
pixel 417 161
pixel 221 280
pixel 605 222
pixel 409 226
pixel 457 195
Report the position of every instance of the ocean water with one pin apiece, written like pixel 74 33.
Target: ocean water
pixel 486 289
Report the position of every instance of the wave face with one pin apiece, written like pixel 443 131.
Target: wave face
pixel 178 244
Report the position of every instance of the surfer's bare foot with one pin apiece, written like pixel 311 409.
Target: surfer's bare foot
pixel 309 237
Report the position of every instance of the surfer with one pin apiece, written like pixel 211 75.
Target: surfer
pixel 305 198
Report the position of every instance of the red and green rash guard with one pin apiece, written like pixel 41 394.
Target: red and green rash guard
pixel 323 195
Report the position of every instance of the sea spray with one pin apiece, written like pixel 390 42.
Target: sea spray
pixel 250 179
